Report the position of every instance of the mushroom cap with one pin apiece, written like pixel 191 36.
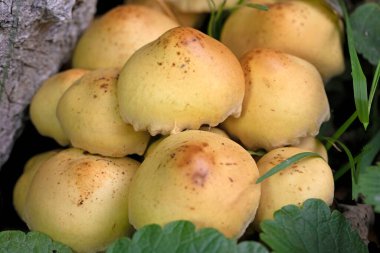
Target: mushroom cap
pixel 111 39
pixel 198 176
pixel 307 29
pixel 80 199
pixel 89 115
pixel 182 80
pixel 155 143
pixel 43 106
pixel 184 18
pixel 198 5
pixel 215 130
pixel 21 188
pixel 314 145
pixel 310 177
pixel 284 101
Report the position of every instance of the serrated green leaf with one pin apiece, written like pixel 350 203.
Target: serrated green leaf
pixel 365 22
pixel 369 186
pixel 181 237
pixel 19 242
pixel 310 229
pixel 246 246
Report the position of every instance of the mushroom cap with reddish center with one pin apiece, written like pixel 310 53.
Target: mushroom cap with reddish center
pixel 198 176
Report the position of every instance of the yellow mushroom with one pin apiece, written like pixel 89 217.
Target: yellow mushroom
pixel 110 40
pixel 43 106
pixel 89 115
pixel 80 199
pixel 307 29
pixel 198 176
pixel 21 188
pixel 182 80
pixel 184 18
pixel 198 6
pixel 310 177
pixel 284 101
pixel 314 145
pixel 155 143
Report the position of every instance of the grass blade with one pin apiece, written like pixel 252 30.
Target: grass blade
pixel 375 82
pixel 341 130
pixel 358 77
pixel 369 152
pixel 284 164
pixel 352 162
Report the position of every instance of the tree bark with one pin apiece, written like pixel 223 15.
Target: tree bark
pixel 36 38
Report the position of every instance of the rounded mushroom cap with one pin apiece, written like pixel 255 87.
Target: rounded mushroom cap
pixel 307 29
pixel 184 18
pixel 182 80
pixel 215 130
pixel 43 106
pixel 314 145
pixel 188 175
pixel 198 5
pixel 284 101
pixel 89 115
pixel 155 143
pixel 75 197
pixel 21 188
pixel 110 40
pixel 310 177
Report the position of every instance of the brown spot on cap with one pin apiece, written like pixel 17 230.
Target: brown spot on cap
pixel 199 177
pixel 196 161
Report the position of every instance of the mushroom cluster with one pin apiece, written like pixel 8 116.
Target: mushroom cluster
pixel 156 121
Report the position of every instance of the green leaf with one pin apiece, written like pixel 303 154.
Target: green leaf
pixel 19 242
pixel 375 82
pixel 363 160
pixel 365 22
pixel 358 77
pixel 181 237
pixel 369 152
pixel 311 228
pixel 341 130
pixel 284 164
pixel 369 186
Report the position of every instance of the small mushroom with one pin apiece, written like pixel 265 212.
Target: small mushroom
pixel 308 178
pixel 284 101
pixel 307 29
pixel 43 106
pixel 155 143
pixel 182 80
pixel 21 188
pixel 198 6
pixel 184 18
pixel 314 145
pixel 111 39
pixel 80 199
pixel 89 115
pixel 198 176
